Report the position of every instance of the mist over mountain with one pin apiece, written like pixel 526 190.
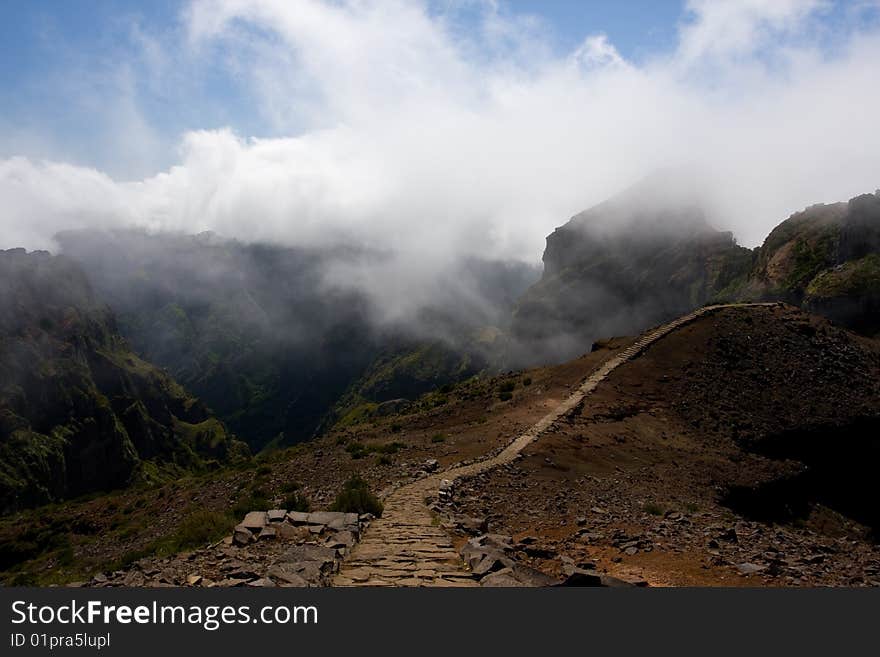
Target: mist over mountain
pixel 640 258
pixel 272 337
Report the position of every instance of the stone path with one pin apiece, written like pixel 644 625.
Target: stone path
pixel 406 548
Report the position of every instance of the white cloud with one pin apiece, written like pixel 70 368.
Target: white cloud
pixel 407 133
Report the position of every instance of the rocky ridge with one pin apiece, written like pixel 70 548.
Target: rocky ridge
pixel 266 549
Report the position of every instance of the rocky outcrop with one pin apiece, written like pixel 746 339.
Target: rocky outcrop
pixel 79 411
pixel 826 260
pixel 646 256
pixel 636 260
pixel 267 549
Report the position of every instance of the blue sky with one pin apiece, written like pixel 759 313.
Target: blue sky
pixel 59 58
pixel 74 76
pixel 480 123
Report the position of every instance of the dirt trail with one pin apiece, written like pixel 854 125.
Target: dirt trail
pixel 405 548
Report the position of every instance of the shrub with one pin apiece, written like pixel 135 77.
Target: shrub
pixel 653 509
pixel 359 450
pixel 507 386
pixel 527 381
pixel 384 460
pixel 197 530
pixel 296 502
pixel 290 486
pixel 249 503
pixel 356 497
pixel 438 438
pixel 505 396
pixel 396 428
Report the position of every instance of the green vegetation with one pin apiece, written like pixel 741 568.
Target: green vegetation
pixel 438 438
pixel 356 497
pixel 296 502
pixel 357 414
pixel 358 450
pixel 426 370
pixel 256 498
pixel 653 509
pixel 855 278
pixel 809 258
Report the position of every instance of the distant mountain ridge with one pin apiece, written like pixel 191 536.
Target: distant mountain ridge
pixel 640 258
pixel 650 254
pixel 79 411
pixel 273 348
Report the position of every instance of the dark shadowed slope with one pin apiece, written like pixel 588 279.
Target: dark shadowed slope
pixel 741 448
pixel 273 346
pixel 643 257
pixel 79 411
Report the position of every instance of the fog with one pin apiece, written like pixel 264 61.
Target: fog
pixel 412 136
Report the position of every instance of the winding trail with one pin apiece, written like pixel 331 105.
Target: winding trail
pixel 405 548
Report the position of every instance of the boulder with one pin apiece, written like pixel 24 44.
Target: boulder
pixel 749 568
pixel 298 518
pixel 325 557
pixel 580 577
pixel 342 539
pixel 501 578
pixel 288 532
pixel 490 563
pixel 288 576
pixel 473 525
pixel 276 515
pixel 326 517
pixel 532 577
pixel 266 533
pixel 254 521
pixel 242 536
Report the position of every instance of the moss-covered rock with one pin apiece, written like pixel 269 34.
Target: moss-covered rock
pixel 825 259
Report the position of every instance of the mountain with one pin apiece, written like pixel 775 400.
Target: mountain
pixel 644 256
pixel 273 343
pixel 825 259
pixel 79 411
pixel 650 254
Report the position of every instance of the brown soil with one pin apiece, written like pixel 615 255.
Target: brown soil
pixel 701 455
pixel 740 441
pixel 74 540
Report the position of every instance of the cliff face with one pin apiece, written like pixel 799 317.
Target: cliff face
pixel 825 259
pixel 646 256
pixel 634 261
pixel 79 411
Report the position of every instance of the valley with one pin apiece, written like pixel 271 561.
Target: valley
pixel 162 393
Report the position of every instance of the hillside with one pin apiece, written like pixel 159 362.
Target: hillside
pixel 825 259
pixel 274 347
pixel 701 460
pixel 737 450
pixel 79 411
pixel 642 257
